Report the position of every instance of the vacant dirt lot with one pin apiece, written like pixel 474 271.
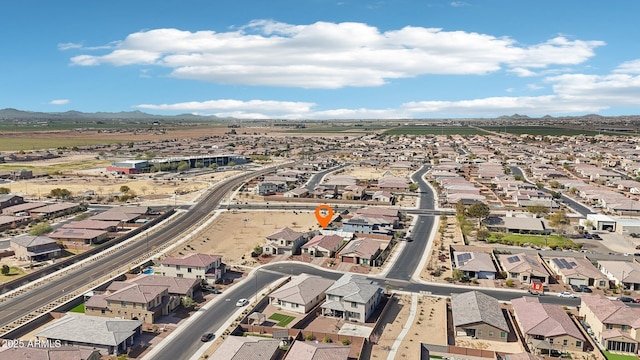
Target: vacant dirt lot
pixel 235 234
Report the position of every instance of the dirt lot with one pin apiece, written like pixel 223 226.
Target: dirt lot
pixel 430 319
pixel 234 234
pixel 370 172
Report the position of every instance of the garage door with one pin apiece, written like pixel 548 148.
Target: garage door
pixel 578 282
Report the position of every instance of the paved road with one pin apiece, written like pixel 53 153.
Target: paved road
pixel 16 308
pixel 316 178
pixel 411 255
pixel 578 207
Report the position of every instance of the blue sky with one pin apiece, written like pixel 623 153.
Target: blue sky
pixel 320 59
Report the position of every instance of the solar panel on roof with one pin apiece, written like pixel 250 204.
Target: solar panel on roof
pixel 513 259
pixel 558 263
pixel 462 258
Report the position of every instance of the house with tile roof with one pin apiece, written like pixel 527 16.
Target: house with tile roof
pixel 204 267
pixel 146 303
pixel 577 271
pixel 474 264
pixel 615 325
pixel 284 241
pixel 323 245
pixel 248 347
pixel 622 273
pixel 352 297
pixel 62 352
pixel 362 251
pixel 524 268
pixel 301 294
pixel 35 248
pixel 546 327
pixel 312 350
pixel 109 336
pixel 479 316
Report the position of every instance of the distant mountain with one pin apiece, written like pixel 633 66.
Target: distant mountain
pixel 14 114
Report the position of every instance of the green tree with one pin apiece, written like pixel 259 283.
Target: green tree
pixel 213 166
pixel 231 163
pixel 257 250
pixel 183 166
pixel 40 229
pixel 559 220
pixel 413 186
pixel 188 302
pixel 554 184
pixel 5 269
pixel 518 177
pixel 5 190
pixel 483 235
pixel 124 189
pixel 538 210
pixel 60 193
pixel 478 211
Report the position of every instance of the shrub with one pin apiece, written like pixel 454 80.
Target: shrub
pixel 309 337
pixel 327 339
pixel 345 342
pixel 509 283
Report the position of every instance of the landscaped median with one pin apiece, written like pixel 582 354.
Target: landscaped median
pixel 542 241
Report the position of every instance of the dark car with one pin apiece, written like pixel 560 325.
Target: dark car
pixel 626 299
pixel 588 236
pixel 207 337
pixel 576 288
pixel 596 236
pixel 585 289
pixel 408 238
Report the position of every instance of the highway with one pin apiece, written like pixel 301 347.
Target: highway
pixel 16 308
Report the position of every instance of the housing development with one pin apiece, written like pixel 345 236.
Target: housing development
pixel 459 239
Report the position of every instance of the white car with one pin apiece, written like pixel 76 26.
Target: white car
pixel 242 302
pixel 566 294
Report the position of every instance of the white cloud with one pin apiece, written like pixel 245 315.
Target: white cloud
pixel 629 67
pixel 534 87
pixel 59 102
pixel 266 107
pixel 332 55
pixel 67 46
pixel 459 3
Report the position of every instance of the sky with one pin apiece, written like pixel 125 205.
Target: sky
pixel 322 59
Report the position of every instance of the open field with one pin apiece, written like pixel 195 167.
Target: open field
pixel 551 241
pixel 14 272
pixel 234 234
pixel 433 130
pixel 541 130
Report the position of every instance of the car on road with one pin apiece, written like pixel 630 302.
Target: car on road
pixel 626 299
pixel 242 302
pixel 207 337
pixel 408 239
pixel 566 294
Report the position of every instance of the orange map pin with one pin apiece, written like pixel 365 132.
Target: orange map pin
pixel 324 214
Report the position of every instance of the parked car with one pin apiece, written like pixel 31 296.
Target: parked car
pixel 634 235
pixel 637 301
pixel 207 337
pixel 626 299
pixel 242 302
pixel 211 289
pixel 566 294
pixel 585 289
pixel 576 288
pixel 588 236
pixel 596 236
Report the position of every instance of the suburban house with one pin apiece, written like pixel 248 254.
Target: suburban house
pixel 546 328
pixel 270 187
pixel 109 226
pixel 208 268
pixel 524 268
pixel 35 248
pixel 297 193
pixel 577 271
pixel 622 273
pixel 7 200
pixel 615 325
pixel 479 316
pixel 62 352
pixel 146 303
pixel 301 294
pixel 284 241
pixel 248 347
pixel 323 245
pixel 362 251
pixel 86 236
pixel 22 209
pixel 313 350
pixel 517 225
pixel 146 297
pixel 352 297
pixel 54 210
pixel 109 336
pixel 477 265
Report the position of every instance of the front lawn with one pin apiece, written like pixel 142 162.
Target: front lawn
pixel 552 241
pixel 78 309
pixel 283 320
pixel 14 272
pixel 611 356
